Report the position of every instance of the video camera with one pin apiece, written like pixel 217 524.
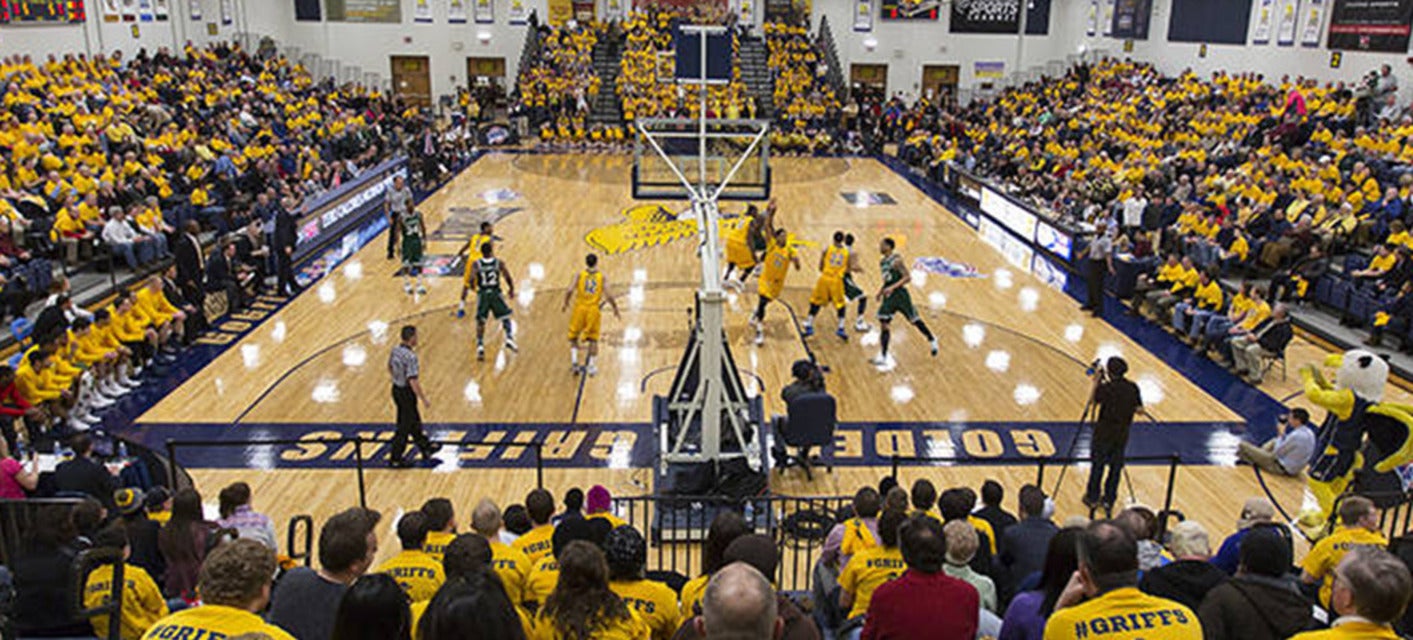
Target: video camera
pixel 1098 370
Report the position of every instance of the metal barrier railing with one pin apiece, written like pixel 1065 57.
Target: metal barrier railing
pixel 300 547
pixel 359 458
pixel 112 604
pixel 16 516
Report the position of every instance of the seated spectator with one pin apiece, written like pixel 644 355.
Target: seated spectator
pixel 373 608
pixel 1393 315
pixel 84 475
pixel 1248 308
pixel 1025 544
pixel 992 494
pixel 725 528
pixel 1371 595
pixel 1106 586
pixel 441 527
pixel 582 605
pixel 857 531
pixel 1359 525
pixel 1025 617
pixel 761 554
pixel 867 570
pixel 419 574
pixel 141 532
pixel 1189 577
pixel 471 605
pixel 517 522
pixel 15 479
pixel 1261 602
pixel 511 565
pixel 184 542
pixel 961 548
pixel 956 504
pixel 43 577
pixel 545 575
pixel 924 602
pixel 600 506
pixel 221 277
pixel 573 505
pixel 1267 340
pixel 538 541
pixel 1142 524
pixel 1294 283
pixel 627 554
pixel 142 602
pixel 1288 452
pixel 306 601
pixel 237 513
pixel 235 587
pixel 1256 511
pixel 135 248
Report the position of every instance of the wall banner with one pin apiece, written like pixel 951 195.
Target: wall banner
pixel 144 10
pixel 422 12
pixel 1261 33
pixel 162 10
pixel 1092 26
pixel 989 70
pixel 863 15
pixel 518 13
pixel 227 12
pixel 1370 25
pixel 1289 17
pixel 920 9
pixel 1312 29
pixel 485 11
pixel 193 9
pixel 1107 18
pixel 982 16
pixel 456 12
pixel 1131 18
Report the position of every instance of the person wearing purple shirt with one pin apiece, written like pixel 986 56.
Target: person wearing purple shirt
pixel 1026 615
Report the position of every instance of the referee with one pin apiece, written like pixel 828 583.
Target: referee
pixel 1100 263
pixel 406 390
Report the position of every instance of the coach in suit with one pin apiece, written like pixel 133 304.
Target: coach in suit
pixel 220 276
pixel 284 241
pixel 191 273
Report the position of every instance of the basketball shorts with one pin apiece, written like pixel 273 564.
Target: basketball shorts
pixel 771 287
pixel 852 291
pixel 898 302
pixel 412 251
pixel 739 256
pixel 491 303
pixel 828 291
pixel 584 322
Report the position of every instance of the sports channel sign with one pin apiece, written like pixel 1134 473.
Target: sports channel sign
pixel 350 204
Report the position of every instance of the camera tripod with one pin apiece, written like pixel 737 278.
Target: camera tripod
pixel 1085 419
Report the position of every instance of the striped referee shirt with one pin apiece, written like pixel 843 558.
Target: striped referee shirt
pixel 402 364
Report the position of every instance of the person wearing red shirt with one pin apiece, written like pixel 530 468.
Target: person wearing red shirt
pixel 924 602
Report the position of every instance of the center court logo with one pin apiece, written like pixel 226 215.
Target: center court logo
pixel 651 225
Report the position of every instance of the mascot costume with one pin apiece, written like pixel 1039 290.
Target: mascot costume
pixel 1355 409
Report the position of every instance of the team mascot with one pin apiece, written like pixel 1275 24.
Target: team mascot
pixel 1355 408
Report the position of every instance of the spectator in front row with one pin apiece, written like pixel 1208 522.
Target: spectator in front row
pixel 1024 545
pixel 85 475
pixel 234 586
pixel 869 569
pixel 1189 577
pixel 1371 594
pixel 924 602
pixel 761 553
pixel 1255 512
pixel 738 603
pixel 582 605
pixel 1106 587
pixel 1359 520
pixel 306 602
pixel 374 608
pixel 992 495
pixel 1261 602
pixel 142 602
pixel 1268 340
pixel 184 541
pixel 1028 611
pixel 236 513
pixel 962 543
pixel 1289 451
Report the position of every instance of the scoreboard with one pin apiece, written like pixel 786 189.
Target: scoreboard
pixel 41 11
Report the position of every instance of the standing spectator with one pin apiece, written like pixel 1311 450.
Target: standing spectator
pixel 992 495
pixel 142 602
pixel 582 605
pixel 85 475
pixel 1371 594
pixel 235 587
pixel 191 269
pixel 1028 611
pixel 237 513
pixel 1106 586
pixel 1189 577
pixel 1024 545
pixel 1359 520
pixel 306 601
pixel 738 604
pixel 1118 400
pixel 1100 262
pixel 1262 601
pixel 1288 452
pixel 1255 512
pixel 924 602
pixel 184 541
pixel 282 243
pixel 374 608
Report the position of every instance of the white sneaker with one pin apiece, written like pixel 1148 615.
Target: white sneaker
pixel 592 369
pixel 760 337
pixel 861 326
pixel 99 401
pixel 129 382
pixel 78 425
pixel 510 344
pixel 89 418
pixel 879 360
pixel 113 389
pixel 934 347
pixel 421 290
pixel 407 288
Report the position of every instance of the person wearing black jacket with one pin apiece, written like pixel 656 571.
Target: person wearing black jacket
pixel 191 271
pixel 43 577
pixel 1190 577
pixel 1300 277
pixel 283 245
pixel 142 533
pixel 1262 602
pixel 85 475
pixel 1025 543
pixel 1394 315
pixel 221 276
pixel 1268 340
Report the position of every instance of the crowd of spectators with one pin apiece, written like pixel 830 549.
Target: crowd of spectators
pixel 557 86
pixel 647 56
pixel 898 564
pixel 805 104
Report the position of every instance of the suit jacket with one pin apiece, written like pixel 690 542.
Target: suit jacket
pixel 1025 546
pixel 1274 336
pixel 187 255
pixel 218 272
pixel 284 235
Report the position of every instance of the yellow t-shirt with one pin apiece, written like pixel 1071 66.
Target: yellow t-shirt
pixel 1259 311
pixel 1350 630
pixel 1209 296
pixel 212 621
pixel 435 544
pixel 692 594
pixel 1124 614
pixel 542 580
pixel 1325 556
pixel 654 602
pixel 419 574
pixel 143 604
pixel 631 628
pixel 512 566
pixel 866 571
pixel 536 543
pixel 857 537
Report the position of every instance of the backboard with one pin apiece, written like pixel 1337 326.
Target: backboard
pixel 654 179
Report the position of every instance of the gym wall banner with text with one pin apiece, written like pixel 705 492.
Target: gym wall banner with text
pixel 913 9
pixel 996 16
pixel 1370 25
pixel 1131 19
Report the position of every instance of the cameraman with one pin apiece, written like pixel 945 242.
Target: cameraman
pixel 1118 400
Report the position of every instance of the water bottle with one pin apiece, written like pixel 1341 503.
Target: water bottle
pixel 751 514
pixel 122 450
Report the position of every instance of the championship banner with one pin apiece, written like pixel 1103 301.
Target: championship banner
pixel 111 10
pixel 1370 25
pixel 560 11
pixel 863 15
pixel 1131 18
pixel 144 10
pixel 1314 21
pixel 982 16
pixel 227 12
pixel 1261 33
pixel 518 14
pixel 914 9
pixel 422 11
pixel 1107 18
pixel 161 9
pixel 1092 27
pixel 485 11
pixel 988 70
pixel 193 8
pixel 1285 29
pixel 614 9
pixel 456 12
pixel 745 11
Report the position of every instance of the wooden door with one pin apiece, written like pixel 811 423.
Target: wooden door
pixel 477 68
pixel 873 76
pixel 412 79
pixel 940 82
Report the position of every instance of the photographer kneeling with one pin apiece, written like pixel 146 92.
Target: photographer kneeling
pixel 808 379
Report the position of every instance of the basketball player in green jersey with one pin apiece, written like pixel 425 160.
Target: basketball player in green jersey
pixel 853 291
pixel 410 224
pixel 894 299
pixel 489 271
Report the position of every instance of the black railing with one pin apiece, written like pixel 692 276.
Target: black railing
pixel 299 547
pixel 360 461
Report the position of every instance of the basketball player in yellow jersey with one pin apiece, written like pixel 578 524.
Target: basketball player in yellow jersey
pixel 738 248
pixel 833 266
pixel 589 290
pixel 778 258
pixel 473 253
